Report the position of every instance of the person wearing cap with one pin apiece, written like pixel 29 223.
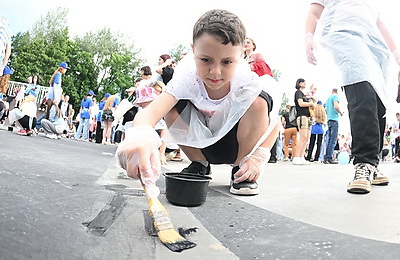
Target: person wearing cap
pixel 55 89
pixel 99 128
pixel 85 116
pixel 5 44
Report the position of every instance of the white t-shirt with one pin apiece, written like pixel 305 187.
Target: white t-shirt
pixel 64 106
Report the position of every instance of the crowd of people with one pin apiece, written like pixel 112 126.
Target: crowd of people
pixel 223 106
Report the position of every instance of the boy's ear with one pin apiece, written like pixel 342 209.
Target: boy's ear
pixel 192 46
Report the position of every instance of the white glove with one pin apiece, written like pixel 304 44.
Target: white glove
pixel 138 154
pixel 396 55
pixel 251 166
pixel 310 47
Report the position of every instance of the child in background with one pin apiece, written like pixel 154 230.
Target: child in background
pixel 217 110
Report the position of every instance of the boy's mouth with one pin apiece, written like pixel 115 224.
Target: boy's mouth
pixel 215 81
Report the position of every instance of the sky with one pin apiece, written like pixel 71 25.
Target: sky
pixel 158 26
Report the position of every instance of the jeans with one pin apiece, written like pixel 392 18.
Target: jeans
pixel 84 128
pixel 39 121
pixel 333 129
pixel 367 122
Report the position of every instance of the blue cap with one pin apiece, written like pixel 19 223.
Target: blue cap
pixel 1 95
pixel 107 95
pixel 64 65
pixel 7 71
pixel 91 93
pixel 319 102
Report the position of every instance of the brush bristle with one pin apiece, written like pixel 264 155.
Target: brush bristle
pixel 165 230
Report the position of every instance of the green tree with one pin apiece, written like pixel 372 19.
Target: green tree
pixel 178 52
pixel 101 61
pixel 116 61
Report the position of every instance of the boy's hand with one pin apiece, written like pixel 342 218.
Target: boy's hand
pixel 138 154
pixel 252 166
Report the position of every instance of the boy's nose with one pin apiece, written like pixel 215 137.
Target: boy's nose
pixel 215 69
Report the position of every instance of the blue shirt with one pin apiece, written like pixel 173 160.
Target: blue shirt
pixel 56 79
pixel 53 116
pixel 32 90
pixel 116 101
pixel 331 112
pixel 86 104
pixel 101 107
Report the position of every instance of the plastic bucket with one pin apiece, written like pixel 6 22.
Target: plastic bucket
pixel 188 190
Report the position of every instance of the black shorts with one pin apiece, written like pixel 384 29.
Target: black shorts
pixel 225 150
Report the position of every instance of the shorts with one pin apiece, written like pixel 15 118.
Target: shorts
pixel 225 150
pixel 304 122
pixel 107 115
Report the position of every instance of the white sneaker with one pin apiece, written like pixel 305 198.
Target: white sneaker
pixel 297 161
pixel 305 162
pixel 51 136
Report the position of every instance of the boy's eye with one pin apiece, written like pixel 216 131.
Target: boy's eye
pixel 226 62
pixel 205 59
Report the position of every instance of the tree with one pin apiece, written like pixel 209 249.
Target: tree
pixel 101 61
pixel 178 53
pixel 116 61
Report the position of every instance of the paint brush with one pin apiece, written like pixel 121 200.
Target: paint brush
pixel 163 225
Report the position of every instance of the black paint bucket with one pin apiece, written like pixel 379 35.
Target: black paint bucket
pixel 188 190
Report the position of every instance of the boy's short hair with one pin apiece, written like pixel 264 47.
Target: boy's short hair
pixel 223 24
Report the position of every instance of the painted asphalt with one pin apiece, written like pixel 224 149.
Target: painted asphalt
pixel 64 199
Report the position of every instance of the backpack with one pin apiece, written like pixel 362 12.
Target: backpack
pixel 293 116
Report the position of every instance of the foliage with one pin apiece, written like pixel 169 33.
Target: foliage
pixel 178 53
pixel 101 61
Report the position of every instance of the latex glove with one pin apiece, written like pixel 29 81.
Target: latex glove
pixel 138 154
pixel 251 166
pixel 310 47
pixel 396 55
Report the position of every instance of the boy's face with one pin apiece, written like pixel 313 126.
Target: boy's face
pixel 215 64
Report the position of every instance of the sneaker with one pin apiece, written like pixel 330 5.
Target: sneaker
pixel 197 168
pixel 244 188
pixel 305 162
pixel 29 132
pixel 361 183
pixel 22 132
pixel 272 160
pixel 298 161
pixel 378 178
pixel 285 159
pixel 51 136
pixel 330 162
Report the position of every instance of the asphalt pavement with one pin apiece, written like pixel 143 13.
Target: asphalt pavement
pixel 66 199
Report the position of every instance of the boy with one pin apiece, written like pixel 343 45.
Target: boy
pixel 216 109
